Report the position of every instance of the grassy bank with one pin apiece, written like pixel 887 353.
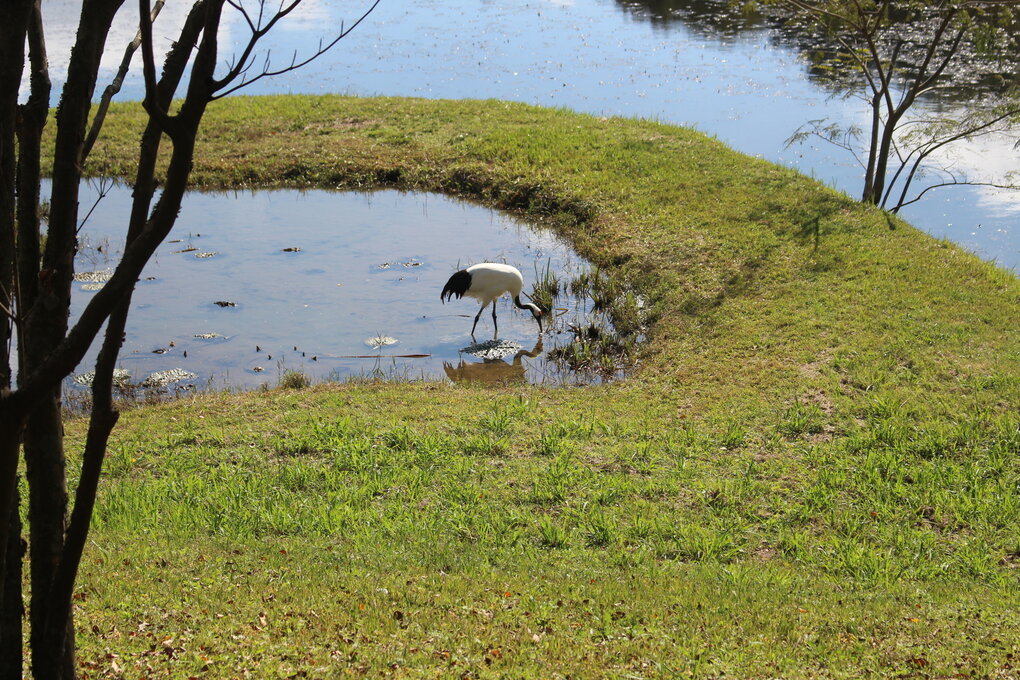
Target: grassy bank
pixel 813 472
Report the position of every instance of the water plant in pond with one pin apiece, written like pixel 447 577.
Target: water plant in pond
pixel 581 285
pixel 167 378
pixel 380 341
pixel 154 388
pixel 547 286
pixel 294 380
pixel 628 312
pixel 120 377
pixel 604 342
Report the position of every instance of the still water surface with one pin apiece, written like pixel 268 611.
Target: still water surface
pixel 314 276
pixel 670 61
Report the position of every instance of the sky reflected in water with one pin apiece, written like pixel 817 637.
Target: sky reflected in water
pixel 312 277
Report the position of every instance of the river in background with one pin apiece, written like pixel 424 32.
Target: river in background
pixel 692 63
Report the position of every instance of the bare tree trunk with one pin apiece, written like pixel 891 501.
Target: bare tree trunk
pixel 45 328
pixel 13 611
pixel 14 18
pixel 47 510
pixel 32 120
pixel 104 416
pixel 869 174
pixel 884 151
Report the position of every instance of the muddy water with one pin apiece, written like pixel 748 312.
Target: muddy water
pixel 251 285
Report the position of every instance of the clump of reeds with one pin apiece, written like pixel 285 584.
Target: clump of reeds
pixel 547 287
pixel 294 380
pixel 605 344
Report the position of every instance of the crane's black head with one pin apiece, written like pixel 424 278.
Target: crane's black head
pixel 537 313
pixel 457 285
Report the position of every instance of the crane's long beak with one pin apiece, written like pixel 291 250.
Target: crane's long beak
pixel 540 331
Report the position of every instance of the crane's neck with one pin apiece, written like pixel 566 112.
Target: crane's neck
pixel 525 305
pixel 535 311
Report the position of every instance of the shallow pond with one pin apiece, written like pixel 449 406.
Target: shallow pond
pixel 334 285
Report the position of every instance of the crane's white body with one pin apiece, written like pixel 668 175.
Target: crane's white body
pixel 490 280
pixel 486 282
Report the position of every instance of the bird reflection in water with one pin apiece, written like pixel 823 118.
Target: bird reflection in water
pixel 492 370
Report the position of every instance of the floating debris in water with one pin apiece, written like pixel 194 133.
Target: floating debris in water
pixel 292 249
pixel 380 341
pixel 207 336
pixel 120 377
pixel 257 369
pixel 92 286
pixel 164 378
pixel 206 255
pixel 150 278
pixel 493 349
pixel 186 250
pixel 225 303
pixel 410 263
pixel 94 277
pixel 161 350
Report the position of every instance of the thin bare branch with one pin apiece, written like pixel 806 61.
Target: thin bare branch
pixel 151 101
pixel 294 65
pixel 114 87
pixel 925 150
pixel 6 308
pixel 953 183
pixel 252 26
pixel 935 43
pixel 105 185
pixel 34 113
pixel 256 35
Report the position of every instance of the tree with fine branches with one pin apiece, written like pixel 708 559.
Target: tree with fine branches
pixel 960 53
pixel 36 274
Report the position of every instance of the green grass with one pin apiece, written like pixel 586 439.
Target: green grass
pixel 814 470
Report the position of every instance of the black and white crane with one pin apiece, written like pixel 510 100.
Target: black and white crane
pixel 486 282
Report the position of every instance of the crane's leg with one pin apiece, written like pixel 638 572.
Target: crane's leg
pixel 495 328
pixel 476 321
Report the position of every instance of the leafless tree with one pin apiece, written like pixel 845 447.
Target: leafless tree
pixel 904 51
pixel 35 281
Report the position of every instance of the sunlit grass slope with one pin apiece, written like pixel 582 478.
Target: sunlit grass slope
pixel 813 472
